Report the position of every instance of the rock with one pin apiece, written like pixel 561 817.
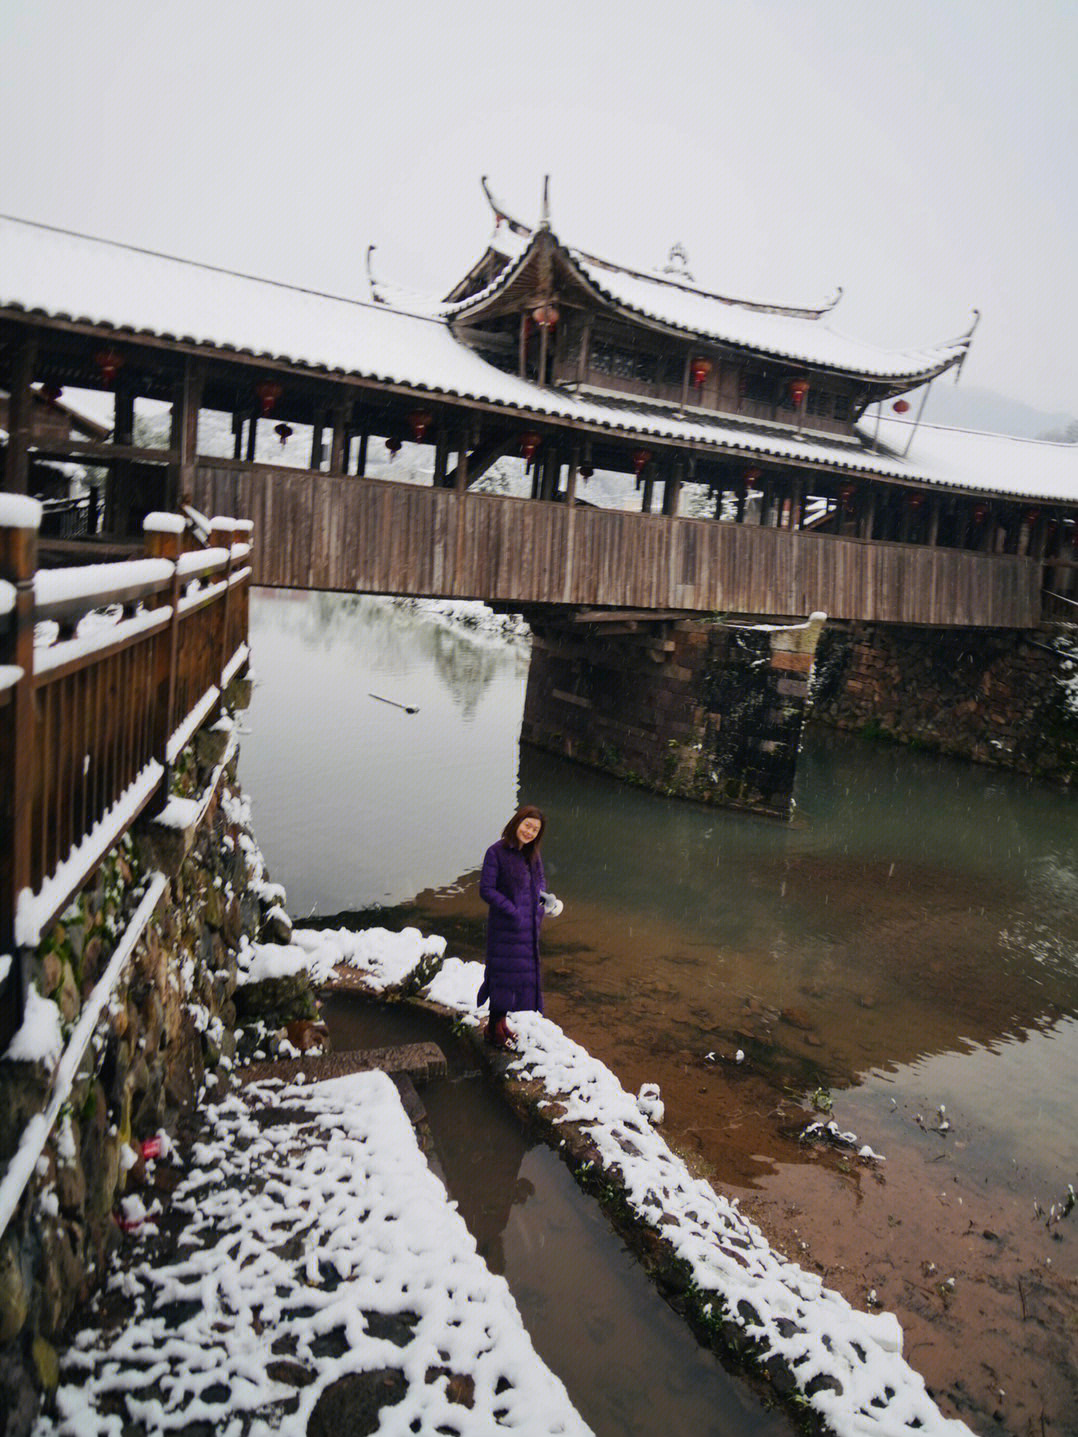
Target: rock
pixel 13 1295
pixel 68 997
pixel 46 1364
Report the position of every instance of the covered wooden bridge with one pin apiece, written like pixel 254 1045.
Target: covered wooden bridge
pixel 757 479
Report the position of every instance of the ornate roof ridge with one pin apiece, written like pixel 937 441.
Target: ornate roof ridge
pixel 525 231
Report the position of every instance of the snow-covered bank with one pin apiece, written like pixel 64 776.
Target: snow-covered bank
pixel 846 1364
pixel 321 1266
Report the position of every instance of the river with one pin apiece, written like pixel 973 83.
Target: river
pixel 901 960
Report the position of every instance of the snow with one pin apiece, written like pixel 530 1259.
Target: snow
pixel 303 1232
pixel 7 597
pixel 982 463
pixel 34 910
pixel 186 730
pixel 18 511
pixel 92 281
pixel 200 561
pixel 99 583
pixel 37 1130
pixel 10 674
pixel 39 1039
pixel 96 633
pixel 784 1309
pixel 160 523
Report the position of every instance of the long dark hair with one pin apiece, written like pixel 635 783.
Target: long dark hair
pixel 509 832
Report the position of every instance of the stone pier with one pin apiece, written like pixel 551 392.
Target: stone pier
pixel 699 709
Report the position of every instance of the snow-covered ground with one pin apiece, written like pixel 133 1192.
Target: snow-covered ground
pixel 847 1364
pixel 319 1246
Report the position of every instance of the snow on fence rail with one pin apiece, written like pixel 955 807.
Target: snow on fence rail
pixel 102 669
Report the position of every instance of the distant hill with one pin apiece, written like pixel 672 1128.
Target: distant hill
pixel 965 407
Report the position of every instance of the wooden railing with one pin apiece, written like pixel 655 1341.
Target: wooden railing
pixel 319 531
pixel 106 672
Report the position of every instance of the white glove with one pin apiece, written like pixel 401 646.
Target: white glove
pixel 551 906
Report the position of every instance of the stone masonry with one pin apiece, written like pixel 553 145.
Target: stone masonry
pixel 694 708
pixel 1003 697
pixel 168 1032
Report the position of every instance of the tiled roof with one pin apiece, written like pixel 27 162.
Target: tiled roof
pixel 71 277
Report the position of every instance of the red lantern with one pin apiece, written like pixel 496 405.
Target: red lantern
pixel 420 421
pixel 915 500
pixel 900 406
pixel 586 471
pixel 545 315
pixel 393 444
pixel 529 443
pixel 1032 515
pixel 980 513
pixel 846 494
pixel 269 391
pixel 750 476
pixel 284 432
pixel 109 362
pixel 699 369
pixel 798 390
pixel 641 457
pixel 51 393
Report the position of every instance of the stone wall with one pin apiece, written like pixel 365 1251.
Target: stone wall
pixel 167 1034
pixel 693 709
pixel 1002 697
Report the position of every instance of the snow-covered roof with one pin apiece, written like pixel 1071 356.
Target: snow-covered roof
pixel 70 277
pixel 983 463
pixel 796 335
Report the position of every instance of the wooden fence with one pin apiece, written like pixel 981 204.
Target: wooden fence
pixel 105 674
pixel 318 531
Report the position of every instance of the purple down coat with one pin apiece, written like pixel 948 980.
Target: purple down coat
pixel 511 886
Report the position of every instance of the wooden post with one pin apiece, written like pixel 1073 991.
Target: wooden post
pixel 316 441
pixel 361 458
pixel 462 464
pixel 544 346
pixel 336 447
pixel 551 471
pixel 237 434
pixel 570 482
pixel 685 378
pixel 165 544
pixel 649 489
pixel 672 488
pixel 441 454
pixel 17 471
pixel 797 496
pixel 933 522
pixel 522 355
pixel 18 561
pixel 185 407
pixel 868 513
pixel 584 360
pixel 252 430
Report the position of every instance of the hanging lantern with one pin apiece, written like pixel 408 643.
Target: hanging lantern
pixel 980 513
pixel 545 315
pixel 641 458
pixel 109 362
pixel 420 421
pixel 393 445
pixel 529 443
pixel 586 471
pixel 284 433
pixel 51 393
pixel 799 388
pixel 699 369
pixel 900 406
pixel 751 475
pixel 268 392
pixel 1032 515
pixel 915 500
pixel 846 495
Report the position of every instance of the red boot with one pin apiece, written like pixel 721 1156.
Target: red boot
pixel 499 1034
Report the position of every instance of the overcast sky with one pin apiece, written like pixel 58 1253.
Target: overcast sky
pixel 920 154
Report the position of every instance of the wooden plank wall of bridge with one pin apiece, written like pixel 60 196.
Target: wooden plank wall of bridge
pixel 320 531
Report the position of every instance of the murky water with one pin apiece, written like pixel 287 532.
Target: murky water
pixel 907 951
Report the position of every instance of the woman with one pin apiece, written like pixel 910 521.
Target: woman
pixel 513 885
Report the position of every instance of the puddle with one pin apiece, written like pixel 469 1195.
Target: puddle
pixel 631 1366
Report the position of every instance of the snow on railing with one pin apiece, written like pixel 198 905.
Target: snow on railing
pixel 106 672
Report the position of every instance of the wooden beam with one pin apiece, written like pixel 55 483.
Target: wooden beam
pixel 20 420
pixel 188 400
pixel 336 448
pixel 441 454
